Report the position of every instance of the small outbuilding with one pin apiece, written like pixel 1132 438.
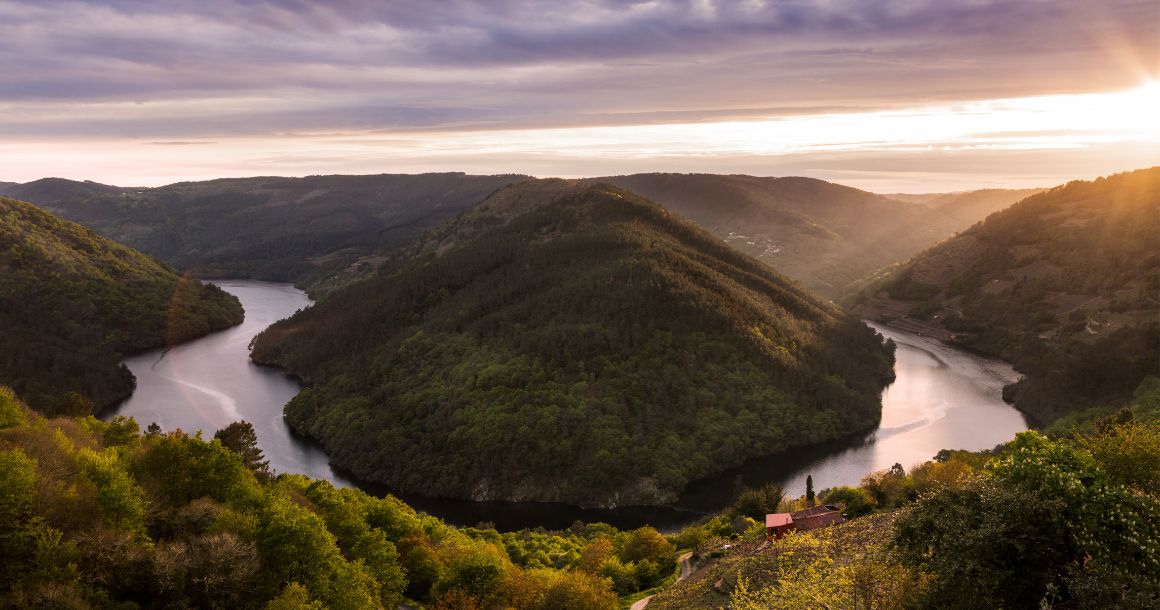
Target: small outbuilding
pixel 817 516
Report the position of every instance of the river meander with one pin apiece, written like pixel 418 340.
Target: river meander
pixel 941 398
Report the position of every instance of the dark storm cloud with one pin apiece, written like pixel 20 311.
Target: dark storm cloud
pixel 248 66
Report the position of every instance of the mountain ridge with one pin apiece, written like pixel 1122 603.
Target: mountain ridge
pixel 322 232
pixel 301 230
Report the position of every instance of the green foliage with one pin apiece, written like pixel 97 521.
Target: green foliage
pixel 571 344
pixel 240 438
pixel 180 469
pixel 72 303
pixel 756 503
pixel 1036 521
pixel 294 597
pixel 646 544
pixel 571 591
pixel 1129 453
pixel 94 515
pixel 854 501
pixel 10 413
pixel 888 488
pixel 633 560
pixel 1144 406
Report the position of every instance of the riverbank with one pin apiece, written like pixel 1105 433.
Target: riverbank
pixel 941 398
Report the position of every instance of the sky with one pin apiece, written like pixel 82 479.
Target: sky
pixel 900 96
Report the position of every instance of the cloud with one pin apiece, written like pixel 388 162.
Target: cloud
pixel 189 70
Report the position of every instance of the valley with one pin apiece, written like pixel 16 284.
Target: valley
pixel 941 398
pixel 559 371
pixel 602 305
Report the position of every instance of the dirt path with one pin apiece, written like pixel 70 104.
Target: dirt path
pixel 686 571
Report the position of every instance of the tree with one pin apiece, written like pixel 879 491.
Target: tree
pixel 888 487
pixel 855 501
pixel 240 438
pixel 810 490
pixel 756 503
pixel 18 483
pixel 294 597
pixel 646 543
pixel 578 591
pixel 594 555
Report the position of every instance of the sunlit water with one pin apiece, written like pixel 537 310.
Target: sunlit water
pixel 941 398
pixel 208 383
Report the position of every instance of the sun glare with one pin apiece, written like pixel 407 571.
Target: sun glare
pixel 1116 129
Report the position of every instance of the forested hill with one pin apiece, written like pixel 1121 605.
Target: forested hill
pixel 95 515
pixel 281 229
pixel 822 234
pixel 572 343
pixel 72 303
pixel 1065 285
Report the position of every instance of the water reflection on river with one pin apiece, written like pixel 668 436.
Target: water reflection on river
pixel 941 398
pixel 208 383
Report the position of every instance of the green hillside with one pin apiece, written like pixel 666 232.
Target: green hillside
pixel 94 515
pixel 1035 523
pixel 572 343
pixel 824 235
pixel 1065 285
pixel 280 229
pixel 73 303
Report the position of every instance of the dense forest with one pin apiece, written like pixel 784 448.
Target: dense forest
pixel 303 230
pixel 824 235
pixel 1065 285
pixel 97 515
pixel 572 343
pixel 73 303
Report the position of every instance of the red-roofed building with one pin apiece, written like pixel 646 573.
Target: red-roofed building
pixel 777 524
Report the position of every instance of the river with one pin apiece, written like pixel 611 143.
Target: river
pixel 941 398
pixel 210 382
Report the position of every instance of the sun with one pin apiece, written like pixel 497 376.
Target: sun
pixel 1143 104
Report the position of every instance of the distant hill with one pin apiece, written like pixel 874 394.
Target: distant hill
pixel 572 343
pixel 281 229
pixel 969 207
pixel 57 190
pixel 824 235
pixel 72 303
pixel 1064 285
